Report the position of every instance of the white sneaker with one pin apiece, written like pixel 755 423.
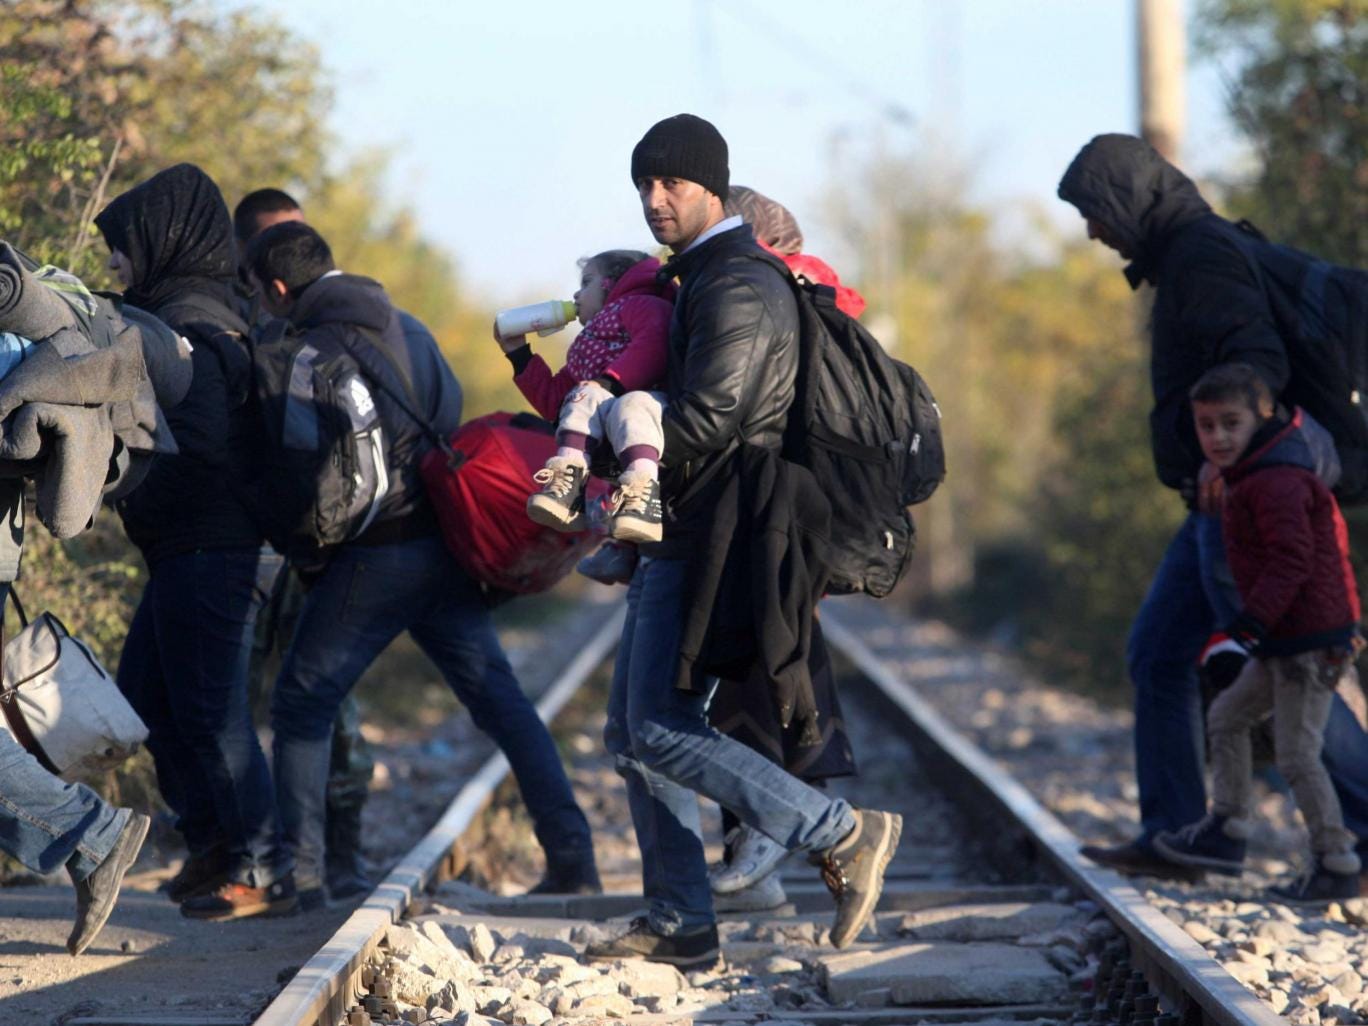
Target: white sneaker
pixel 754 857
pixel 764 894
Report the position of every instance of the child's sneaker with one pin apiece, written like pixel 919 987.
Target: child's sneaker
pixel 560 503
pixel 1335 877
pixel 612 563
pixel 637 514
pixel 1214 842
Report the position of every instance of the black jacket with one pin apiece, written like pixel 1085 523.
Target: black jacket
pixel 733 357
pixel 178 235
pixel 412 377
pixel 754 582
pixel 1210 306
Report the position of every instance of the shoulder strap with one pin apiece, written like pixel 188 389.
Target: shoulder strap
pixel 408 402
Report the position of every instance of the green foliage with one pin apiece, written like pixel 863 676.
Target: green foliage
pixel 1298 81
pixel 96 95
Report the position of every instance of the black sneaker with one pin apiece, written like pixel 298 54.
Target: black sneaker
pixel 853 871
pixel 1216 843
pixel 1319 886
pixel 570 877
pixel 241 901
pixel 687 951
pixel 637 513
pixel 199 874
pixel 560 503
pixel 96 894
pixel 1136 857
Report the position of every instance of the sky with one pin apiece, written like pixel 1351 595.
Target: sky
pixel 510 124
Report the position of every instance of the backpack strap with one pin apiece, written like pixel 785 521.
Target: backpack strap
pixel 408 402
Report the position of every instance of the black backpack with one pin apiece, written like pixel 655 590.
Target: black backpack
pixel 868 428
pixel 320 473
pixel 1321 312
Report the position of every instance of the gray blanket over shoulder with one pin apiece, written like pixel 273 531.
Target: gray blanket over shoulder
pixel 81 414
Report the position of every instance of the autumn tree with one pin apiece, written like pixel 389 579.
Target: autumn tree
pixel 1297 75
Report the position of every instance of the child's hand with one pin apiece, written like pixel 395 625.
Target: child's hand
pixel 1210 489
pixel 511 343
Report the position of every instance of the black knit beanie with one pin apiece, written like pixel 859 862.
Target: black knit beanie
pixel 683 146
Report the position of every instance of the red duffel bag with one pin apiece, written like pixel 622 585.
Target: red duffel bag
pixel 479 484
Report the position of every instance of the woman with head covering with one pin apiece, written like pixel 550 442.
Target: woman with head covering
pixel 185 660
pixel 776 229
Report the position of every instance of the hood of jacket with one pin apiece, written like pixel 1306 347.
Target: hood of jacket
pixel 1278 442
pixel 177 233
pixel 641 280
pixel 1123 183
pixel 343 299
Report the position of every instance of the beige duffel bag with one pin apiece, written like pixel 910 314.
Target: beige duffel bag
pixel 60 703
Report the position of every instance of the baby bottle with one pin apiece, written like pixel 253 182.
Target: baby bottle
pixel 543 318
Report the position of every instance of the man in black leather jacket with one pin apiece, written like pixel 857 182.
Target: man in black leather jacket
pixel 732 364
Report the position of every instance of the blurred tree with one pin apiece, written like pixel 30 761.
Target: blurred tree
pixel 96 95
pixel 1050 522
pixel 1298 90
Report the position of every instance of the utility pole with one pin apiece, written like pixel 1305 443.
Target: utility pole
pixel 1162 59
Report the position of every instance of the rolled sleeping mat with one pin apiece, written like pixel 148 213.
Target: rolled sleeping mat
pixel 27 307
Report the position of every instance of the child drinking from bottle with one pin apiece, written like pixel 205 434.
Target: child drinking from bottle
pixel 602 394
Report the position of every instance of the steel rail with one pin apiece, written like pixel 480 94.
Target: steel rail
pixel 329 983
pixel 1178 967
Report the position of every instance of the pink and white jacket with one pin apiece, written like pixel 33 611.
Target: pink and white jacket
pixel 627 340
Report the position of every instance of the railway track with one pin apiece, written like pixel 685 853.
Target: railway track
pixel 989 915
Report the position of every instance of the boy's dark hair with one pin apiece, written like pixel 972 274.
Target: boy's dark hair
pixel 253 205
pixel 291 252
pixel 1237 382
pixel 613 263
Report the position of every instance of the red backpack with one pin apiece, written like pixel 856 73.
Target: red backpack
pixel 479 484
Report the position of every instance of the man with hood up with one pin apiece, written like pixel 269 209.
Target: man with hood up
pixel 185 660
pixel 1209 309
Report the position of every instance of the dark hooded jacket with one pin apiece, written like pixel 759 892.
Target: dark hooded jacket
pixel 1210 306
pixel 178 235
pixel 1287 545
pixel 359 314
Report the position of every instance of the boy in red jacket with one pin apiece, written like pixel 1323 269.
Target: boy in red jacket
pixel 1288 550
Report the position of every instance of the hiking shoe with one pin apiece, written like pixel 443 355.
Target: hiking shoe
pixel 239 901
pixel 754 857
pixel 637 513
pixel 199 874
pixel 560 503
pixel 1215 843
pixel 853 870
pixel 612 563
pixel 687 951
pixel 1136 857
pixel 96 894
pixel 1321 884
pixel 569 877
pixel 760 896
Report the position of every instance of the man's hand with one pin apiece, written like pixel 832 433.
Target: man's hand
pixel 1210 490
pixel 509 344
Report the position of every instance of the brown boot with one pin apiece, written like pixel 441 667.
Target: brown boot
pixel 853 870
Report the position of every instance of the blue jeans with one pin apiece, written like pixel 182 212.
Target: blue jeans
pixel 45 822
pixel 367 597
pixel 184 669
pixel 1192 595
pixel 668 754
